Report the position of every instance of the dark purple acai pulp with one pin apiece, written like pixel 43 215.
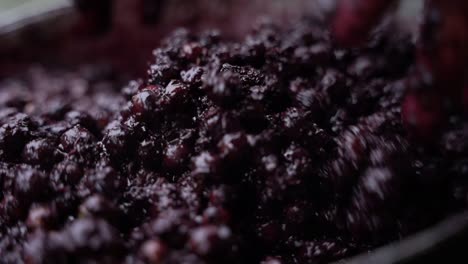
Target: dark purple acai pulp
pixel 278 149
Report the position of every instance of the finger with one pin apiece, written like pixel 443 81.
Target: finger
pixel 355 18
pixel 443 41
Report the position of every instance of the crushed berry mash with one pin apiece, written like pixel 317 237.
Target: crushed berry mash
pixel 281 148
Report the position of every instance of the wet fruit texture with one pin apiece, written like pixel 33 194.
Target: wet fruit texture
pixel 281 148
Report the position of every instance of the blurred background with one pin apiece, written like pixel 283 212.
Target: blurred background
pixel 60 41
pixel 61 38
pixel 7 4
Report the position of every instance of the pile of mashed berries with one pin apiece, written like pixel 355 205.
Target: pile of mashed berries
pixel 278 149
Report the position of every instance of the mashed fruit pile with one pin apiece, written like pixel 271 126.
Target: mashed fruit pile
pixel 277 149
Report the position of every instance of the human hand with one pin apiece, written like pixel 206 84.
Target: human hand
pixel 438 82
